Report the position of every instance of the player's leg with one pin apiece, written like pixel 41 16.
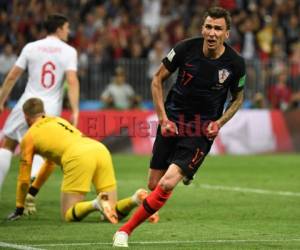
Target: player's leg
pixel 74 208
pixel 36 166
pixel 14 129
pixel 186 159
pixel 78 169
pixel 154 177
pixel 105 183
pixel 8 146
pixel 69 210
pixel 151 204
pixel 162 151
pixel 106 203
pixel 195 149
pixel 156 199
pixel 126 205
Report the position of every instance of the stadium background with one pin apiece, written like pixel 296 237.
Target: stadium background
pixel 137 34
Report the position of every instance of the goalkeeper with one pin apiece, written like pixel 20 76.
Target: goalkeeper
pixel 83 161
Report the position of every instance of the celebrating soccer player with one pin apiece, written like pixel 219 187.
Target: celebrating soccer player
pixel 192 114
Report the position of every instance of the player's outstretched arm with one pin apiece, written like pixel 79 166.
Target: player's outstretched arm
pixel 9 82
pixel 43 175
pixel 22 188
pixel 235 103
pixel 27 153
pixel 73 94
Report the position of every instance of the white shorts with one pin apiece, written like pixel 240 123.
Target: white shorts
pixel 15 125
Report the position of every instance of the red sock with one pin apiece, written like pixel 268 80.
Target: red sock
pixel 151 204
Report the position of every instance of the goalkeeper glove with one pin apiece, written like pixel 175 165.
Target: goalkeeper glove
pixel 30 208
pixel 16 214
pixel 168 128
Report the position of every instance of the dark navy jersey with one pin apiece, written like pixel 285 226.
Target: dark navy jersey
pixel 202 84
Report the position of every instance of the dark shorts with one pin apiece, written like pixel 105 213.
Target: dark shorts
pixel 186 152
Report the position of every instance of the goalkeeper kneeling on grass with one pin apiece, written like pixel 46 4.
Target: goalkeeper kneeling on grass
pixel 83 161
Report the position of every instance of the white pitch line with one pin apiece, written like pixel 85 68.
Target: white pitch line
pixel 170 242
pixel 15 246
pixel 249 190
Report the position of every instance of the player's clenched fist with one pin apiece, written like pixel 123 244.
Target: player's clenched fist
pixel 168 128
pixel 212 130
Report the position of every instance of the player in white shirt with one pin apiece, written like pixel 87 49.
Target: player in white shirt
pixel 48 62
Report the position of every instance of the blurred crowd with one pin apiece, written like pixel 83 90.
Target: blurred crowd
pixel 265 32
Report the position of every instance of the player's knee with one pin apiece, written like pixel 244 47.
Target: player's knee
pixel 166 185
pixel 65 215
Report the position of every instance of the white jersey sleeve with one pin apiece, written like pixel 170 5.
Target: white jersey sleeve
pixel 72 62
pixel 22 60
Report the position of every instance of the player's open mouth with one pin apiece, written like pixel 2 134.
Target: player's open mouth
pixel 211 42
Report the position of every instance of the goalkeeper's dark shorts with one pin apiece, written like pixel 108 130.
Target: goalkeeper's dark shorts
pixel 187 152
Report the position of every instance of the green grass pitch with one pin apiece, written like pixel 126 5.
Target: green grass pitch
pixel 235 202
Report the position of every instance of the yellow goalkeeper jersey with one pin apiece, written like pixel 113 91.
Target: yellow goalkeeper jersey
pixel 50 137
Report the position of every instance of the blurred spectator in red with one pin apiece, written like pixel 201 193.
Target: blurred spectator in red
pixel 280 94
pixel 80 40
pixel 177 32
pixel 228 4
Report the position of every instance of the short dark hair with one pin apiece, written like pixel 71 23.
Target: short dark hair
pixel 33 106
pixel 54 22
pixel 218 12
